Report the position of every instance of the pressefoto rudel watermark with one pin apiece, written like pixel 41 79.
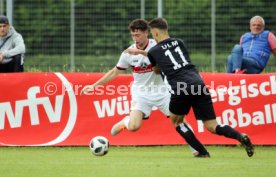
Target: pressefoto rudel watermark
pixel 217 91
pixel 51 88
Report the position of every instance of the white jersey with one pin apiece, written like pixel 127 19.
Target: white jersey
pixel 145 80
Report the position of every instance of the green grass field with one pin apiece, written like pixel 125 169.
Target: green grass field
pixel 154 161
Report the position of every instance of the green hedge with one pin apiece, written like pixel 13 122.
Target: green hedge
pixel 61 63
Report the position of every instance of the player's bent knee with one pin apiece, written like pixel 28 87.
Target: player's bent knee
pixel 134 128
pixel 211 129
pixel 237 49
pixel 176 119
pixel 211 125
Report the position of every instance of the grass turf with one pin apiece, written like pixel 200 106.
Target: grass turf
pixel 154 161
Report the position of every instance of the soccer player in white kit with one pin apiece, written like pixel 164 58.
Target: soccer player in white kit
pixel 148 89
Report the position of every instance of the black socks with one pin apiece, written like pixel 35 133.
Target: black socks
pixel 190 138
pixel 228 132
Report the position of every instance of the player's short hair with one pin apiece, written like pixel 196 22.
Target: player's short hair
pixel 138 24
pixel 159 23
pixel 257 17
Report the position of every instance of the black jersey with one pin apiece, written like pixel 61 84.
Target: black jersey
pixel 173 59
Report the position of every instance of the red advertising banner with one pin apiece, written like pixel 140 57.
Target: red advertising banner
pixel 46 109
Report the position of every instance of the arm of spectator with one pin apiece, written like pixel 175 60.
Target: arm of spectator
pixel 272 43
pixel 240 40
pixel 19 47
pixel 1 57
pixel 274 52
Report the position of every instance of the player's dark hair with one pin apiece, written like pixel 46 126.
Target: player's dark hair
pixel 159 23
pixel 138 24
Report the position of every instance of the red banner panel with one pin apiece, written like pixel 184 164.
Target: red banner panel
pixel 45 109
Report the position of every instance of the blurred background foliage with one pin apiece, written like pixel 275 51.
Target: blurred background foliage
pixel 101 29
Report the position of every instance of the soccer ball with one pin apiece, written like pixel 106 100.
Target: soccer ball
pixel 99 146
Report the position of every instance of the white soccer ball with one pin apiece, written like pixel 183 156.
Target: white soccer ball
pixel 99 146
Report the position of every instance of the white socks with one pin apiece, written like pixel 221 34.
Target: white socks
pixel 126 121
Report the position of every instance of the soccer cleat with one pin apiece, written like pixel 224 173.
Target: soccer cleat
pixel 246 143
pixel 238 71
pixel 207 155
pixel 118 127
pixel 195 153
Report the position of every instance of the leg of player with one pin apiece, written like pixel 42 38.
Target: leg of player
pixel 164 108
pixel 194 152
pixel 229 132
pixel 133 122
pixel 119 126
pixel 184 130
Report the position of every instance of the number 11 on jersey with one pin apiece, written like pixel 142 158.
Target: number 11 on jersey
pixel 180 53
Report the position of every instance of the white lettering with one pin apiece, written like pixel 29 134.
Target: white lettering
pixel 244 90
pixel 243 118
pixel 263 91
pixel 253 90
pixel 228 117
pixel 239 118
pixel 258 118
pixel 15 119
pixel 108 108
pixel 105 107
pixel 273 84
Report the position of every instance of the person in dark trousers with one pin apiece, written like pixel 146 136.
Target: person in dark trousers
pixel 12 48
pixel 188 90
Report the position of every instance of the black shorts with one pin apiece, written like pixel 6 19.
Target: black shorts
pixel 202 106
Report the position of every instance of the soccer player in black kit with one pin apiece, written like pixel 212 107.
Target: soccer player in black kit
pixel 188 89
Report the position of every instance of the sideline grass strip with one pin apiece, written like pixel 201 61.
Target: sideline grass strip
pixel 155 161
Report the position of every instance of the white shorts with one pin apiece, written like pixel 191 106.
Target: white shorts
pixel 146 103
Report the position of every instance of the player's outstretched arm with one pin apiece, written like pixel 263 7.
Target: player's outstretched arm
pixel 274 53
pixel 136 51
pixel 106 78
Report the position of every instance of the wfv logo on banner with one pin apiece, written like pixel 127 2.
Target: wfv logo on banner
pixel 13 113
pixel 32 102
